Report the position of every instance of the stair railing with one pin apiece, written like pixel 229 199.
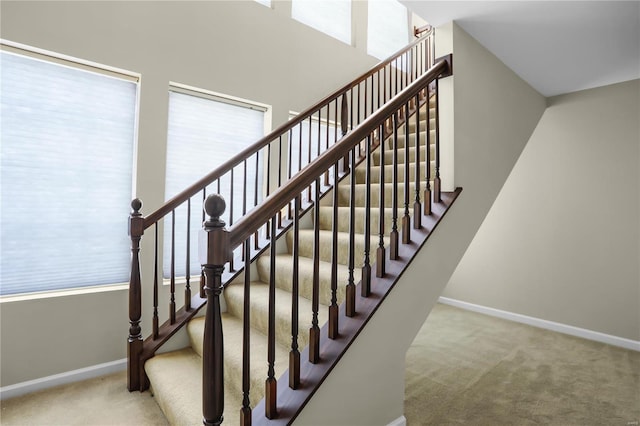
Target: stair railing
pixel 217 244
pixel 304 137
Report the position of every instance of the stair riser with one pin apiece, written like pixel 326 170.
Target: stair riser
pixel 326 246
pixel 326 219
pixel 423 122
pixel 234 297
pixel 344 196
pixel 284 281
pixel 412 139
pixel 361 176
pixel 388 156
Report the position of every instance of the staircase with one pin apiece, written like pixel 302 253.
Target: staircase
pixel 313 253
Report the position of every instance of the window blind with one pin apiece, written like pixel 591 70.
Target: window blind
pixel 66 161
pixel 388 28
pixel 332 17
pixel 203 134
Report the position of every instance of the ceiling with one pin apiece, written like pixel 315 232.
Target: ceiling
pixel 556 46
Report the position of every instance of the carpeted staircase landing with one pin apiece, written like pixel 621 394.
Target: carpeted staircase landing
pixel 176 377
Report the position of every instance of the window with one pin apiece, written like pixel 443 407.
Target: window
pixel 206 130
pixel 388 28
pixel 332 17
pixel 66 160
pixel 264 2
pixel 305 137
pixel 304 146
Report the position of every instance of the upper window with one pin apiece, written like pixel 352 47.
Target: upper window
pixel 264 2
pixel 388 28
pixel 332 17
pixel 206 130
pixel 66 161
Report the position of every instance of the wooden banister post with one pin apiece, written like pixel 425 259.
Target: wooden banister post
pixel 214 252
pixel 134 346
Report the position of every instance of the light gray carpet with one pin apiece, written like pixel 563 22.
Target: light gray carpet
pixel 468 368
pixel 463 368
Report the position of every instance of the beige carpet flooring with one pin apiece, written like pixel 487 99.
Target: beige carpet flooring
pixel 468 368
pixel 463 368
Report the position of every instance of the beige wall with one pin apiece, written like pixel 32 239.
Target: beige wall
pixel 495 114
pixel 240 48
pixel 561 242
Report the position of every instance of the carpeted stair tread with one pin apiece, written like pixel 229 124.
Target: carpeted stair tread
pixel 176 382
pixel 326 242
pixel 361 173
pixel 234 296
pixel 326 218
pixel 232 329
pixel 412 138
pixel 284 268
pixel 344 194
pixel 388 156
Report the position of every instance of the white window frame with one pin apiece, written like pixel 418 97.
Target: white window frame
pixel 375 50
pixel 68 61
pixel 325 25
pixel 185 89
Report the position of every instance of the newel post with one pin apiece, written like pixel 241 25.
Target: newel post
pixel 134 346
pixel 214 253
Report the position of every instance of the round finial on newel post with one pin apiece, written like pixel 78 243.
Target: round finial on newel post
pixel 136 205
pixel 214 206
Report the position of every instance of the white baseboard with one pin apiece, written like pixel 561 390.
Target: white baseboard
pixel 400 421
pixel 23 388
pixel 633 345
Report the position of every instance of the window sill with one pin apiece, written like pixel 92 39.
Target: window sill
pixel 63 293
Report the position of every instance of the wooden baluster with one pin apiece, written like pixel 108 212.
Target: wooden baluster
pixel 417 207
pixel 289 166
pixel 269 159
pixel 134 346
pixel 294 354
pixel 245 410
pixel 344 117
pixel 364 101
pixel 187 276
pixel 155 322
pixel 172 301
pixel 436 180
pixel 427 161
pixel 406 219
pixel 255 194
pixel 244 196
pixel 384 85
pixel 204 197
pixel 214 253
pixel 327 128
pixel 333 307
pixel 314 332
pixel 231 266
pixel 309 156
pixel 393 243
pixel 280 176
pixel 271 384
pixel 365 289
pixel 350 304
pixel 381 251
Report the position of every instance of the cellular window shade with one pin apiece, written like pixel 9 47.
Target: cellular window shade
pixel 388 28
pixel 66 162
pixel 332 17
pixel 203 134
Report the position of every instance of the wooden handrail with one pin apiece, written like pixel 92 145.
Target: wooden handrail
pixel 419 30
pixel 220 171
pixel 255 218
